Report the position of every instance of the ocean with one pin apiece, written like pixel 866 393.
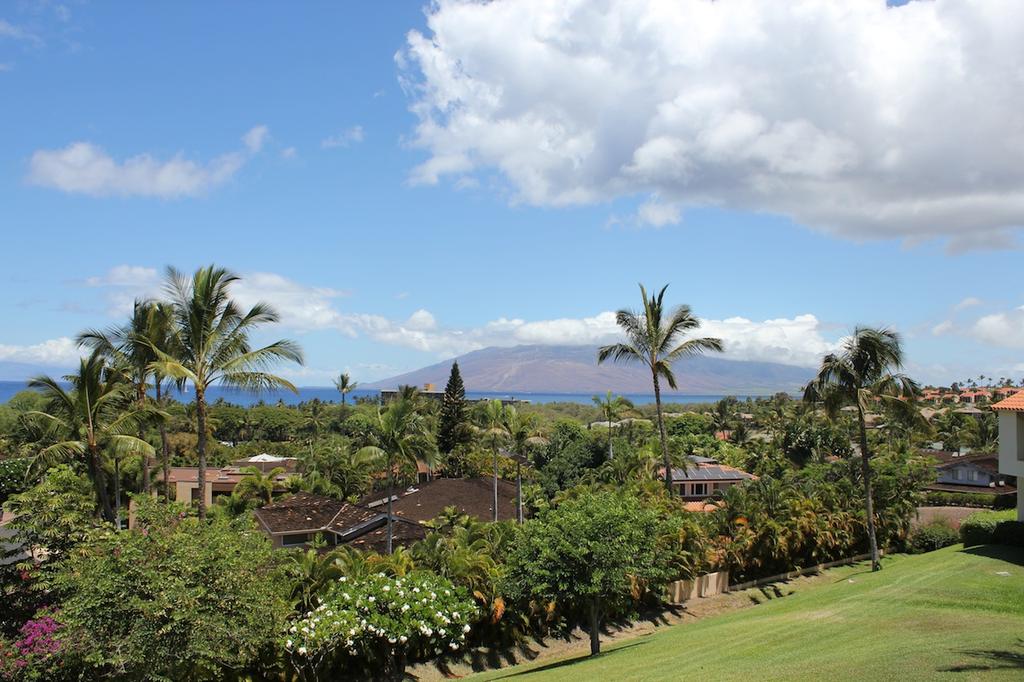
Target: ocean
pixel 329 393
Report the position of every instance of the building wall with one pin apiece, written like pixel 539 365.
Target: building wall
pixel 966 474
pixel 1011 450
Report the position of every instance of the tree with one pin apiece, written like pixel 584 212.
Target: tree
pixel 492 424
pixel 175 598
pixel 209 343
pixel 595 553
pixel 611 409
pixel 451 428
pixel 655 340
pixel 131 346
pixel 865 368
pixel 345 385
pixel 97 416
pixel 256 485
pixel 521 429
pixel 403 437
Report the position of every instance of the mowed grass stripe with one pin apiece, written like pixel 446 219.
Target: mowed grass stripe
pixel 915 620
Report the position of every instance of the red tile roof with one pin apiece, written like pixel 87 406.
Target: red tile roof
pixel 1014 403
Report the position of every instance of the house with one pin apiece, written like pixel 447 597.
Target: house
pixel 705 478
pixel 185 482
pixel 1011 440
pixel 968 473
pixel 296 520
pixel 265 462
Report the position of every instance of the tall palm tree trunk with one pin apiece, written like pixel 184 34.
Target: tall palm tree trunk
pixel 611 455
pixel 869 506
pixel 519 491
pixel 495 483
pixel 663 437
pixel 391 495
pixel 99 484
pixel 141 395
pixel 165 450
pixel 201 449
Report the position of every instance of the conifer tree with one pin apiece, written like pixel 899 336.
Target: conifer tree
pixel 451 429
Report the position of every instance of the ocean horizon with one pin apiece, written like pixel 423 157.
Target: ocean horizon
pixel 330 394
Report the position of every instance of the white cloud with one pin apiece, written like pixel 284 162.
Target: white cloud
pixel 838 115
pixel 126 276
pixel 9 30
pixel 61 352
pixel 301 307
pixel 84 168
pixel 289 153
pixel 943 327
pixel 255 138
pixel 657 213
pixel 1001 329
pixel 345 138
pixel 968 302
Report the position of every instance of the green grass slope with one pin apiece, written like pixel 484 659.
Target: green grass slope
pixel 952 614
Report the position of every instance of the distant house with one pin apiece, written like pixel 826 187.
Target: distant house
pixel 968 473
pixel 184 481
pixel 265 462
pixel 706 478
pixel 296 520
pixel 1011 440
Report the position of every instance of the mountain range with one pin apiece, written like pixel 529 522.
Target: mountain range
pixel 574 369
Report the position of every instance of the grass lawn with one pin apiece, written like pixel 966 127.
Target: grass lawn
pixel 948 614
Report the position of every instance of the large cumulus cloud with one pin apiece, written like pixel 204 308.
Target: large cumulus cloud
pixel 850 117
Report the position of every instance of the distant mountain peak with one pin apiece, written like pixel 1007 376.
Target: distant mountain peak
pixel 574 369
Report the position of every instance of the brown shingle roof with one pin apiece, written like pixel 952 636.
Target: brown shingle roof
pixel 302 512
pixel 473 496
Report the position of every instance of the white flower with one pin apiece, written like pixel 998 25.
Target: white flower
pixel 386 588
pixel 433 596
pixel 405 607
pixel 416 590
pixel 370 599
pixel 455 614
pixel 302 651
pixel 403 639
pixel 342 579
pixel 447 593
pixel 294 630
pixel 454 646
pixel 288 644
pixel 391 640
pixel 466 628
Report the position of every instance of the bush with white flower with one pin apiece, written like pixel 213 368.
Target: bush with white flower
pixel 374 626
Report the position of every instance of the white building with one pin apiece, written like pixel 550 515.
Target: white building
pixel 1011 441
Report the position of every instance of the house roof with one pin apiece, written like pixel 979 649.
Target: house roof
pixel 306 512
pixel 710 472
pixel 982 460
pixel 403 533
pixel 1015 403
pixel 231 474
pixel 967 488
pixel 473 496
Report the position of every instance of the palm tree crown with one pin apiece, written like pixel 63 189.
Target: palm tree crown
pixel 345 385
pixel 97 416
pixel 654 338
pixel 209 343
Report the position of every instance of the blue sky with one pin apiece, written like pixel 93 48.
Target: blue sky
pixel 404 197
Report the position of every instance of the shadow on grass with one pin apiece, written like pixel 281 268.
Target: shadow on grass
pixel 572 661
pixel 989 659
pixel 769 592
pixel 1012 555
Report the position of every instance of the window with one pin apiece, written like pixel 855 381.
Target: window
pixel 972 475
pixel 699 489
pixel 294 539
pixel 958 474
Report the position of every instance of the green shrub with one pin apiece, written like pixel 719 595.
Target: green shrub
pixel 935 498
pixel 931 537
pixel 979 528
pixel 1009 533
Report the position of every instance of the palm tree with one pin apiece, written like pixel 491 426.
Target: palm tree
pixel 403 437
pixel 256 485
pixel 209 343
pixel 611 409
pixel 131 346
pixel 655 340
pixel 865 367
pixel 492 425
pixel 345 385
pixel 522 430
pixel 98 415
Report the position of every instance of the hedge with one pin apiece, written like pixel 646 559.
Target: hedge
pixel 936 498
pixel 931 537
pixel 986 528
